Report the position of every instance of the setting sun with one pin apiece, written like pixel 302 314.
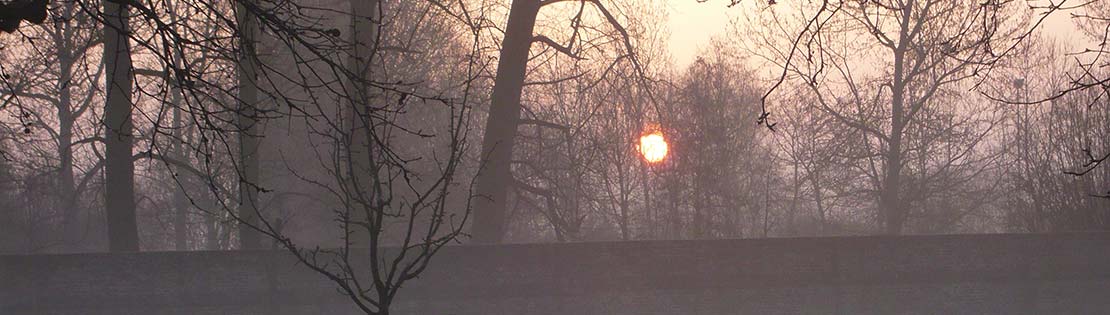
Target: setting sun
pixel 653 146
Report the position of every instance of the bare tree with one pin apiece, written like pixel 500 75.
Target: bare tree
pixel 395 209
pixel 394 206
pixel 819 151
pixel 1044 140
pixel 1087 76
pixel 55 85
pixel 929 49
pixel 495 177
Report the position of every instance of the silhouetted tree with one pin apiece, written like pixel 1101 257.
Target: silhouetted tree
pixel 495 176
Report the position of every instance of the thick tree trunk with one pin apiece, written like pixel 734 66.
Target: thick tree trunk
pixel 889 200
pixel 248 132
pixel 66 196
pixel 119 169
pixel 890 203
pixel 495 175
pixel 364 35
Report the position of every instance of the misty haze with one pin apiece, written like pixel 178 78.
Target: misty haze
pixel 554 157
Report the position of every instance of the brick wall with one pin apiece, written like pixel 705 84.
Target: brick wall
pixel 980 274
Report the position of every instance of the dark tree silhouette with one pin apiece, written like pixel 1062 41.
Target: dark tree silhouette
pixel 13 12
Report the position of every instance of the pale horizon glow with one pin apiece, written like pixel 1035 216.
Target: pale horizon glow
pixel 692 25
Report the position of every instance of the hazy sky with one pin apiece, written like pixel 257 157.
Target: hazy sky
pixel 693 24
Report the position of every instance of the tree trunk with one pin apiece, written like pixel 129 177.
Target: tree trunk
pixel 66 196
pixel 890 201
pixel 211 225
pixel 248 132
pixel 119 169
pixel 180 200
pixel 364 35
pixel 819 200
pixel 892 168
pixel 179 137
pixel 791 227
pixel 495 175
pixel 697 205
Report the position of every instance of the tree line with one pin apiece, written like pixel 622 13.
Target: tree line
pixel 886 119
pixel 329 127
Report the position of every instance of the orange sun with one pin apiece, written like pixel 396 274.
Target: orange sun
pixel 653 147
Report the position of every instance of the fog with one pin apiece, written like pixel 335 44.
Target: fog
pixel 532 156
